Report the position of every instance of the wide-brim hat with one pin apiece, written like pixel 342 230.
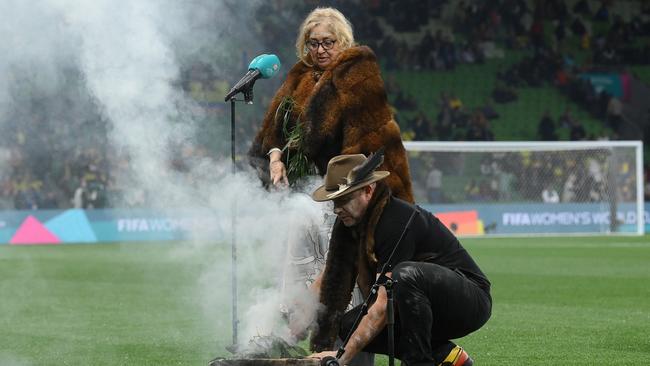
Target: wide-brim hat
pixel 349 173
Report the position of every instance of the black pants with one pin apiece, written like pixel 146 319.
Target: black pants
pixel 433 304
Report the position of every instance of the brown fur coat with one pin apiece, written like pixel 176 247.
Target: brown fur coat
pixel 344 110
pixel 351 258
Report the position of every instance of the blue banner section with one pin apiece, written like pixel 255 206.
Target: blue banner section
pixel 92 226
pixel 610 83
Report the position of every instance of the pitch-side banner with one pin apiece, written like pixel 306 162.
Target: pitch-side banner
pixel 101 226
pixel 536 218
pixel 93 226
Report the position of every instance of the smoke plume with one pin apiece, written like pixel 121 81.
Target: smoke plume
pixel 118 66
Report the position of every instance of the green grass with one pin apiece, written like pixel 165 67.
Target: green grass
pixel 582 301
pixel 118 304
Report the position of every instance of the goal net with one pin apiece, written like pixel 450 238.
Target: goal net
pixel 577 187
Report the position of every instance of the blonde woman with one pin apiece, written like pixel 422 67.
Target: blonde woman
pixel 332 102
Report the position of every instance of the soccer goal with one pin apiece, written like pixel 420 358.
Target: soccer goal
pixel 576 187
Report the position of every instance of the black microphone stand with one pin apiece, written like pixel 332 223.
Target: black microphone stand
pixel 387 282
pixel 248 99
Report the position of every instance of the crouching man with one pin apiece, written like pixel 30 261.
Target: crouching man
pixel 440 293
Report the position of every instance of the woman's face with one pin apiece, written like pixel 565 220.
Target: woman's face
pixel 323 46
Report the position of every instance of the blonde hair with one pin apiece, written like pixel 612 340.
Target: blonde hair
pixel 336 23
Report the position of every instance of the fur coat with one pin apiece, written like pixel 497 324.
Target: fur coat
pixel 351 259
pixel 343 110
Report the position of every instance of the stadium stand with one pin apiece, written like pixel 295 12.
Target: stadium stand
pixel 468 70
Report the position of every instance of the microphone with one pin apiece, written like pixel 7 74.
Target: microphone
pixel 263 66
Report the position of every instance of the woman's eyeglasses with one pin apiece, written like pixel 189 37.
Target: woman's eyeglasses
pixel 327 44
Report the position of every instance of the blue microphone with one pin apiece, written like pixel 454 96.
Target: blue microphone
pixel 263 66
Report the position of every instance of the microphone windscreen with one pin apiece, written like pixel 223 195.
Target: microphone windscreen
pixel 255 61
pixel 269 65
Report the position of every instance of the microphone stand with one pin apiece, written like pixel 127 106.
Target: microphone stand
pixel 248 99
pixel 387 282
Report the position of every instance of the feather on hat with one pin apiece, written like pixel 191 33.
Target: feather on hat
pixel 348 173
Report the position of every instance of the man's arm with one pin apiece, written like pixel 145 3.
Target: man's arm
pixel 304 310
pixel 368 328
pixel 316 285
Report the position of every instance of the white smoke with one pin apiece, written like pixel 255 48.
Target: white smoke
pixel 130 53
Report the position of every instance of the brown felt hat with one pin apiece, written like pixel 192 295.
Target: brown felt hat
pixel 340 178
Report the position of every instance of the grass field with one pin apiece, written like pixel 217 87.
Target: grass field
pixel 579 301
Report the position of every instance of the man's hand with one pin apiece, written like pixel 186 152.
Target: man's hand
pixel 321 355
pixel 298 326
pixel 303 310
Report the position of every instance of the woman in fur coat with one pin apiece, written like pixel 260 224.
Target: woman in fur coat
pixel 333 102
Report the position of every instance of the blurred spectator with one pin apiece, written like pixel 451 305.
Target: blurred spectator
pixel 434 184
pixel 488 111
pixel 28 190
pixel 79 199
pixel 473 191
pixel 404 101
pixel 578 27
pixel 560 35
pixel 455 103
pixel 50 200
pixel 443 101
pixel 602 14
pixel 576 130
pixel 505 185
pixel 546 128
pixel 422 127
pixel 561 78
pixel 614 113
pixel 550 195
pixel 537 31
pixel 503 94
pixel 444 129
pixel 569 190
pixel 585 41
pixel 582 7
pixel 565 119
pixel 479 129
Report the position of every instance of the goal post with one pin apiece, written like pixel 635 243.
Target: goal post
pixel 503 188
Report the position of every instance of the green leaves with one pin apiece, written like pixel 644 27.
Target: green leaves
pixel 296 161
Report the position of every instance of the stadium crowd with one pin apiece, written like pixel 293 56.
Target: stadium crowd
pixel 550 177
pixel 59 161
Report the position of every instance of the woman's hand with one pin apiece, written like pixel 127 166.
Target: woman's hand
pixel 278 174
pixel 278 170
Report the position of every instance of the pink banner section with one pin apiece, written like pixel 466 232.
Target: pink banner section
pixel 626 84
pixel 32 231
pixel 462 222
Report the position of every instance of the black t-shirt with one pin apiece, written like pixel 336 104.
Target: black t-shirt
pixel 427 240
